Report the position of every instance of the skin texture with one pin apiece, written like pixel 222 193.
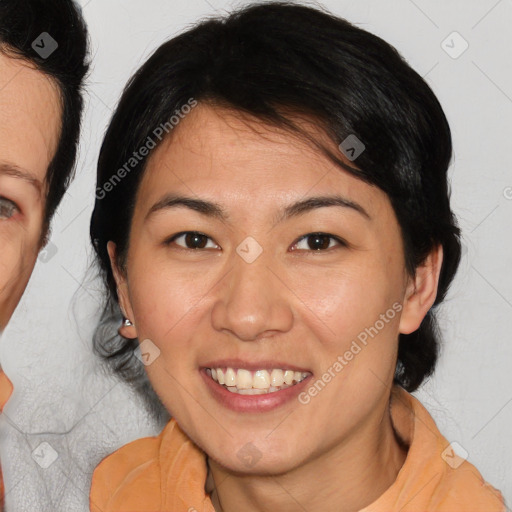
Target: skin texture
pixel 305 306
pixel 30 117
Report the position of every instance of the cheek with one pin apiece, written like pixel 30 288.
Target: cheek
pixel 166 311
pixel 343 301
pixel 161 296
pixel 15 254
pixel 166 305
pixel 17 260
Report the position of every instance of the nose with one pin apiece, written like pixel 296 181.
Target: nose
pixel 253 301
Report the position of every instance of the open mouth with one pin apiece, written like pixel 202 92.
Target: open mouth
pixel 259 382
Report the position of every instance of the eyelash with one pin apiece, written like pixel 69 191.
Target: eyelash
pixel 12 208
pixel 341 242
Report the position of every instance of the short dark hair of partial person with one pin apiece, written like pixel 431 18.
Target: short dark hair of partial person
pixel 273 61
pixel 21 23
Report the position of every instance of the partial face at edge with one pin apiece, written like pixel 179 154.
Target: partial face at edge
pixel 302 301
pixel 30 120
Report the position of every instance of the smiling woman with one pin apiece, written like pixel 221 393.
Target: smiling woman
pixel 289 238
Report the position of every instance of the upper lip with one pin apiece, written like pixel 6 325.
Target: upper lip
pixel 254 365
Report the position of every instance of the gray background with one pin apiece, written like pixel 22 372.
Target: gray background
pixel 64 398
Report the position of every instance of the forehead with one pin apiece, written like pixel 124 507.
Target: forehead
pixel 217 149
pixel 30 116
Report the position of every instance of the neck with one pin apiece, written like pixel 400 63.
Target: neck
pixel 347 478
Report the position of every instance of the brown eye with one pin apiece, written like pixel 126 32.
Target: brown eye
pixel 7 208
pixel 191 240
pixel 318 242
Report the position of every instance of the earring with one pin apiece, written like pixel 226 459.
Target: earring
pixel 127 323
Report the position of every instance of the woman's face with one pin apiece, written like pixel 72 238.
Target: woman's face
pixel 256 292
pixel 30 118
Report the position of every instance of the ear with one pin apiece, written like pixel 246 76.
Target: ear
pixel 122 293
pixel 421 291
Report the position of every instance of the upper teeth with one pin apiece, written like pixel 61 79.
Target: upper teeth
pixel 260 379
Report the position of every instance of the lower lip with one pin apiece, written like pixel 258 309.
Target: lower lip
pixel 252 403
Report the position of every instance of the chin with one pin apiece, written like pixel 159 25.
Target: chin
pixel 250 458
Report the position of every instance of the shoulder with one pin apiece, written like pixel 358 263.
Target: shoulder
pixel 441 480
pixel 464 485
pixel 134 467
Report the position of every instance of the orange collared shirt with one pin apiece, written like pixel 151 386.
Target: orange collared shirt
pixel 5 392
pixel 168 472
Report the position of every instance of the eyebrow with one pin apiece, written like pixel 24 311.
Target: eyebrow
pixel 14 171
pixel 215 210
